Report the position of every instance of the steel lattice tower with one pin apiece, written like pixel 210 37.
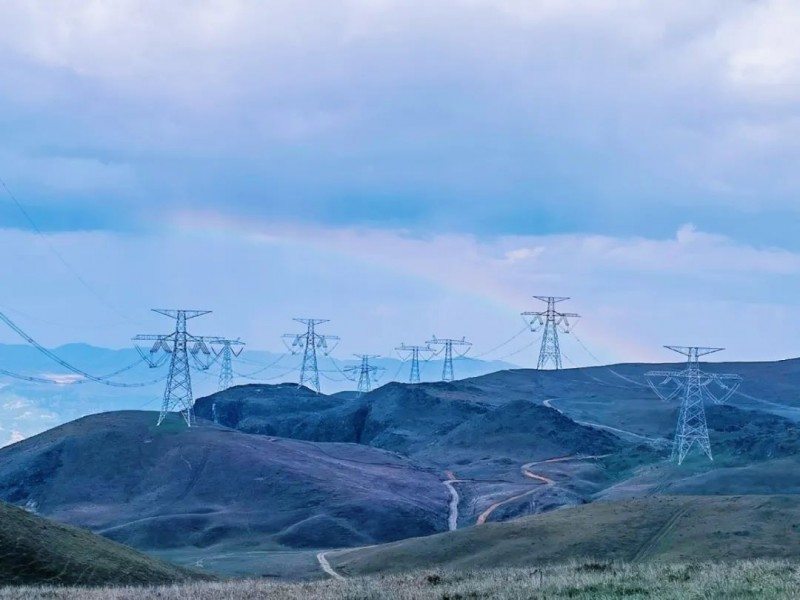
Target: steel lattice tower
pixel 551 320
pixel 229 349
pixel 692 428
pixel 413 354
pixel 366 372
pixel 448 373
pixel 178 391
pixel 309 342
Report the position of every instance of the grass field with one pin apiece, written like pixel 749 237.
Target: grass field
pixel 596 580
pixel 665 529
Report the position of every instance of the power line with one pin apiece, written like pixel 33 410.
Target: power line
pixel 103 300
pixel 292 370
pixel 263 368
pixel 339 370
pixel 62 362
pixel 589 352
pixel 508 341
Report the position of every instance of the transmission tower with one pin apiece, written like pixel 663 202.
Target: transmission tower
pixel 367 373
pixel 413 353
pixel 447 345
pixel 309 342
pixel 178 391
pixel 551 321
pixel 228 349
pixel 696 387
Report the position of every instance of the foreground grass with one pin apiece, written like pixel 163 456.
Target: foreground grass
pixel 34 549
pixel 747 579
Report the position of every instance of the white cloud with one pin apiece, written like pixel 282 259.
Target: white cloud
pixel 13 438
pixel 61 379
pixel 15 404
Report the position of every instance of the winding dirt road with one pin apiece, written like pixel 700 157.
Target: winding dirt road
pixel 526 472
pixel 452 515
pixel 326 566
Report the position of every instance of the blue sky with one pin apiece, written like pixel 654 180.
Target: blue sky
pixel 405 168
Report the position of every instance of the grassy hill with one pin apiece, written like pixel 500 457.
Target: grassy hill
pixel 35 550
pixel 675 529
pixel 171 487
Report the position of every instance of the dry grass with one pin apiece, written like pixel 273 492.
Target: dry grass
pixel 597 580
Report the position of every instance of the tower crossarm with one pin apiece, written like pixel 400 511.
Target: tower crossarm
pixel 173 313
pixel 552 299
pixel 666 377
pixel 727 383
pixel 160 343
pixel 693 351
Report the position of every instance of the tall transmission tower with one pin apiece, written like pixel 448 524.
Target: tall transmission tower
pixel 309 342
pixel 696 387
pixel 227 350
pixel 551 321
pixel 414 353
pixel 178 391
pixel 367 373
pixel 448 374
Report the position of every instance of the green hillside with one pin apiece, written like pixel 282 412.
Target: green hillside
pixel 667 528
pixel 34 550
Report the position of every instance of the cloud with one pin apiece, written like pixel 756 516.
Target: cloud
pixel 15 404
pixel 492 117
pixel 62 379
pixel 13 438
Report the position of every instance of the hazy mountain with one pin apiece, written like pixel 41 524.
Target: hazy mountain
pixel 29 408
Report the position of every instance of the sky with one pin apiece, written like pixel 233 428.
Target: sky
pixel 404 168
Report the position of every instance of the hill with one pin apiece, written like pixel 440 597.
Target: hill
pixel 670 529
pixel 286 410
pixel 34 550
pixel 170 487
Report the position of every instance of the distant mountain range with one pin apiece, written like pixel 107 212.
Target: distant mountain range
pixel 27 408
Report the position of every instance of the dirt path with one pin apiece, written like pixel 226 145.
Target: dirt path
pixel 485 514
pixel 452 515
pixel 650 545
pixel 650 440
pixel 326 566
pixel 526 472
